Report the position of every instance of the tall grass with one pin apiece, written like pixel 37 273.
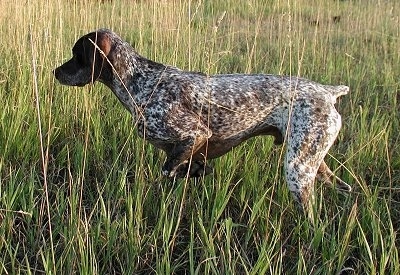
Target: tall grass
pixel 81 193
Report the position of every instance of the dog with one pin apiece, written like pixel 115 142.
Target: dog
pixel 194 117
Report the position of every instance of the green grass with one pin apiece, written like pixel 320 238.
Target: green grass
pixel 81 193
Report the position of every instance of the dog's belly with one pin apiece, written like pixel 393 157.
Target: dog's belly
pixel 218 146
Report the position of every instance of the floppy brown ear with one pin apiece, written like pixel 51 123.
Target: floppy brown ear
pixel 103 41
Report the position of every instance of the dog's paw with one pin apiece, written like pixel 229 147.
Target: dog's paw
pixel 168 173
pixel 197 169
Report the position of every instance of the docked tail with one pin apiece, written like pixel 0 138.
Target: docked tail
pixel 337 91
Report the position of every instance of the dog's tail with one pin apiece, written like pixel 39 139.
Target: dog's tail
pixel 337 91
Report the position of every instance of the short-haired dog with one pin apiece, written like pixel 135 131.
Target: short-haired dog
pixel 194 116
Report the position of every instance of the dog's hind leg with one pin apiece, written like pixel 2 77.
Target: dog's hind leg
pixel 308 140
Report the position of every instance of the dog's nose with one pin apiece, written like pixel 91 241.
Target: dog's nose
pixel 55 73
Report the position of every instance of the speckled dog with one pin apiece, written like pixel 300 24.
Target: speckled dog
pixel 194 117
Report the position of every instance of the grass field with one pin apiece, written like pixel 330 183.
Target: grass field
pixel 80 193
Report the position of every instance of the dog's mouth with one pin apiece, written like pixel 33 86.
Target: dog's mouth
pixel 80 84
pixel 69 80
pixel 68 83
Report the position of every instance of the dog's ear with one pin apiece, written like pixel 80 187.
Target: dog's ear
pixel 104 43
pixel 101 43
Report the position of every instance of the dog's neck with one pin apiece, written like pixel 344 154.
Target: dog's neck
pixel 133 78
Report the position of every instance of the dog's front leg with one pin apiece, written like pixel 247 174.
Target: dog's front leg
pixel 179 161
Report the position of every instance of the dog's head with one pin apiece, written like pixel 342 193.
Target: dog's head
pixel 89 61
